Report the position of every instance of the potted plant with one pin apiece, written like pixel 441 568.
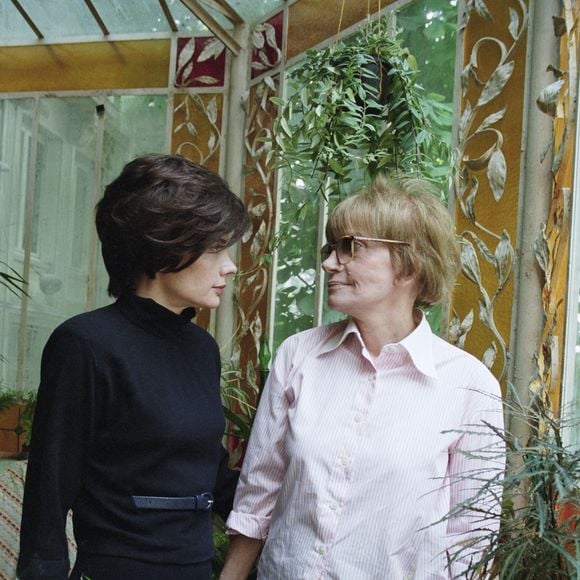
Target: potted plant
pixel 356 106
pixel 354 109
pixel 537 538
pixel 16 408
pixel 16 414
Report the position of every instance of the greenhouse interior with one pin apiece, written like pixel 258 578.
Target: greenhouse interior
pixel 478 97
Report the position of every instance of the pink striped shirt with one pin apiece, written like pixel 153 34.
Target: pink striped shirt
pixel 352 458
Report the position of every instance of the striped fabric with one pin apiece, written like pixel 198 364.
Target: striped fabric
pixel 11 491
pixel 351 459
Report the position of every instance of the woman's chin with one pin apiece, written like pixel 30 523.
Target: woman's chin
pixel 339 306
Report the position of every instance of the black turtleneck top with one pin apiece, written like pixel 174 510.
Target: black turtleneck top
pixel 128 404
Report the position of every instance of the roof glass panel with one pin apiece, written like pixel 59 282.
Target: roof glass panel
pixel 12 26
pixel 61 19
pixel 255 10
pixel 132 16
pixel 187 22
pixel 66 20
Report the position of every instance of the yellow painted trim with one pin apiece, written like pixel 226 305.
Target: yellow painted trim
pixel 135 64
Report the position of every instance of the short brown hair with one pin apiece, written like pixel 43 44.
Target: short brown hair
pixel 409 210
pixel 160 214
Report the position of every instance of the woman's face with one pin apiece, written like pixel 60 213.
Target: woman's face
pixel 368 284
pixel 201 284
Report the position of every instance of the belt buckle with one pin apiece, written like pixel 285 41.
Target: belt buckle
pixel 204 501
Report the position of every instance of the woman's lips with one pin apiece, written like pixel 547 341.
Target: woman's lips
pixel 334 285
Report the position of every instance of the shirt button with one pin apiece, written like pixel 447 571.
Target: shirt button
pixel 332 506
pixel 371 378
pixel 357 418
pixel 344 460
pixel 321 550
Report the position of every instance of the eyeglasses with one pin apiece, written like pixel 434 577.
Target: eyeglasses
pixel 344 248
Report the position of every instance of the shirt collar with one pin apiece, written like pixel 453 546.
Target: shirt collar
pixel 419 344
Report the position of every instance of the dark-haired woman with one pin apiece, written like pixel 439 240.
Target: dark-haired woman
pixel 128 425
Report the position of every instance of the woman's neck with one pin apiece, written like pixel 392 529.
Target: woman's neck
pixel 389 328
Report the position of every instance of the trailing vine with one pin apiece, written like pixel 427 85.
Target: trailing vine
pixel 355 105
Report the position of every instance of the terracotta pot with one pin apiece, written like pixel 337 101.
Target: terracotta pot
pixel 12 433
pixel 568 516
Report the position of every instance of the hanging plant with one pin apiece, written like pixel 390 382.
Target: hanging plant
pixel 355 105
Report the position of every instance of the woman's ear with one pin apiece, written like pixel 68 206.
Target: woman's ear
pixel 406 280
pixel 408 283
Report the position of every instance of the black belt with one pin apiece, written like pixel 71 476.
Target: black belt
pixel 203 501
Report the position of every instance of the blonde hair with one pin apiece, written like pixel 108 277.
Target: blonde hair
pixel 408 210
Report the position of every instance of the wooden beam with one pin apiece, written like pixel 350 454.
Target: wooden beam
pixel 168 15
pixel 29 20
pixel 215 27
pixel 97 17
pixel 224 7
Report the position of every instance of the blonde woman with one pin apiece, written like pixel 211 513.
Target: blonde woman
pixel 355 447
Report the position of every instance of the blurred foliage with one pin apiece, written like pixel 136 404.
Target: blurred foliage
pixel 11 279
pixel 540 509
pixel 238 409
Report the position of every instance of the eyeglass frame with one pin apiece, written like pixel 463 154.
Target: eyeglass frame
pixel 332 247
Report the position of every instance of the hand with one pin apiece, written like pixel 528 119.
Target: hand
pixel 242 554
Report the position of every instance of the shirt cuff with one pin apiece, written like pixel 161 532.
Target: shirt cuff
pixel 247 525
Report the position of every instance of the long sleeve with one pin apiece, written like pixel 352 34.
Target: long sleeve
pixel 475 469
pixel 264 465
pixel 62 433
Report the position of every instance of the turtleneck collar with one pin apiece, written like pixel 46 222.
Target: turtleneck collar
pixel 153 317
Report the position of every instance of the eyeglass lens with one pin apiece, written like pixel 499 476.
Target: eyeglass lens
pixel 343 248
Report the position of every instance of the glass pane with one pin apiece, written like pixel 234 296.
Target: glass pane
pixel 571 384
pixel 62 19
pixel 15 144
pixel 187 22
pixel 257 9
pixel 575 404
pixel 61 228
pixel 61 221
pixel 296 269
pixel 132 16
pixel 13 26
pixel 134 125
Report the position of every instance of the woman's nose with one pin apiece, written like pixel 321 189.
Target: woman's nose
pixel 331 263
pixel 228 267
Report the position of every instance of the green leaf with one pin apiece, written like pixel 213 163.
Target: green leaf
pixel 286 127
pixel 336 167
